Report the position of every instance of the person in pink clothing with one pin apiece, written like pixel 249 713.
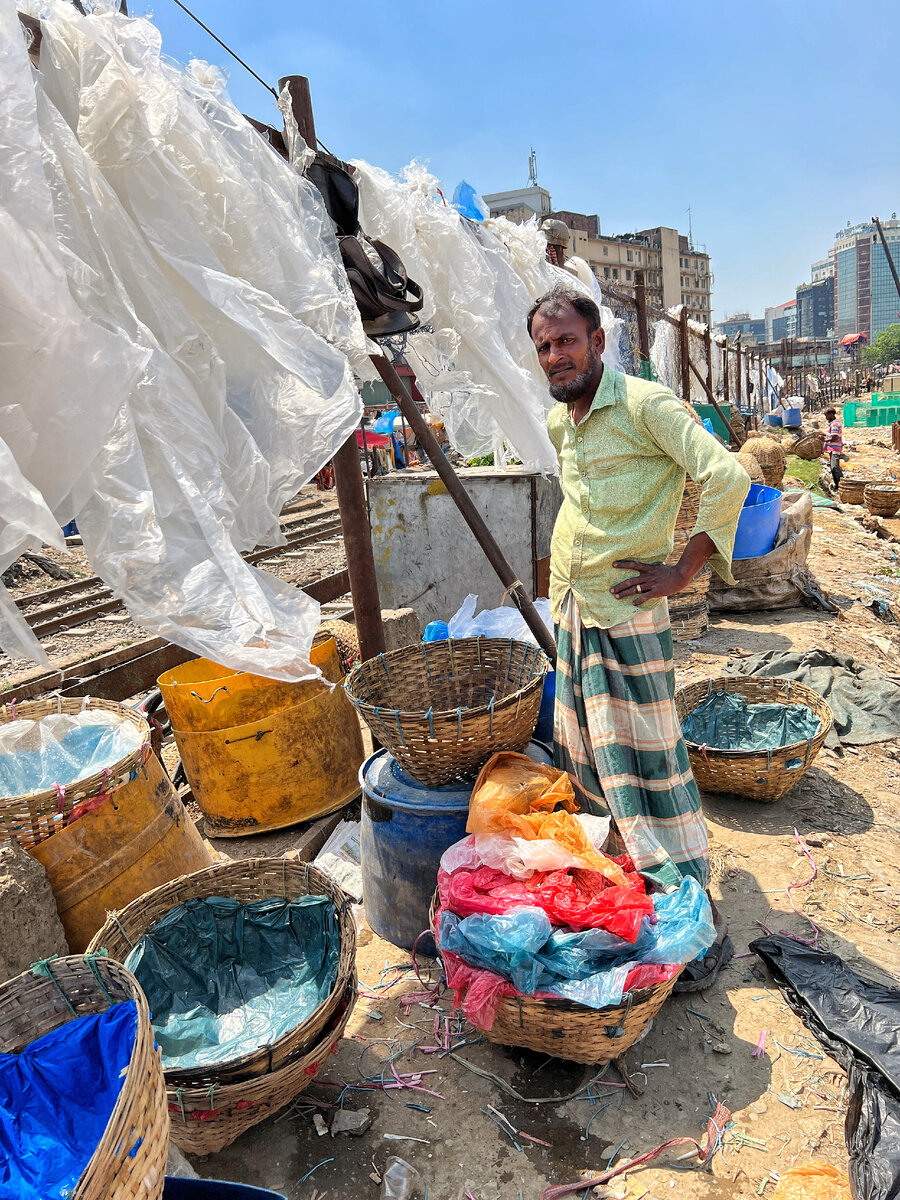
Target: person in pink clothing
pixel 834 445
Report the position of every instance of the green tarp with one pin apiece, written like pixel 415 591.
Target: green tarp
pixel 224 979
pixel 725 721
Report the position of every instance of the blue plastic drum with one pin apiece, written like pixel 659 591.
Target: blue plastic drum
pixel 792 418
pixel 406 826
pixel 758 523
pixel 214 1189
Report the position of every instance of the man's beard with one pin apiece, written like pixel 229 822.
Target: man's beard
pixel 570 393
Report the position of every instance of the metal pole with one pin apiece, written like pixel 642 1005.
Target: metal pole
pixel 738 376
pixel 464 503
pixel 640 304
pixel 725 353
pixel 351 492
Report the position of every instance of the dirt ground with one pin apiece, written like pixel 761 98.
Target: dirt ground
pixel 790 1100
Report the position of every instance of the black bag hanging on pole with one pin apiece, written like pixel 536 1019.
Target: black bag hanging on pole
pixel 384 293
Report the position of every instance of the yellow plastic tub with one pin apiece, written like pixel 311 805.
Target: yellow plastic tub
pixel 260 754
pixel 137 839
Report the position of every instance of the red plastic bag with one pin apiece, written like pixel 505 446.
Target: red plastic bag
pixel 576 898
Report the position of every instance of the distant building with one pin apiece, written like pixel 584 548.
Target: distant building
pixel 520 205
pixel 823 269
pixel 674 272
pixel 815 309
pixel 752 330
pixel 781 321
pixel 865 298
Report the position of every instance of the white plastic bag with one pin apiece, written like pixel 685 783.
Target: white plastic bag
pixel 521 857
pixel 496 622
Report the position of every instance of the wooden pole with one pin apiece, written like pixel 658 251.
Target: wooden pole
pixel 714 402
pixel 640 304
pixel 351 492
pixel 685 343
pixel 726 352
pixel 738 376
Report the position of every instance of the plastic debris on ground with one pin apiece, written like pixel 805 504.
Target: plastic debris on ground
pixel 813 1181
pixel 180 285
pixel 340 858
pixel 585 930
pixel 56 1098
pixel 62 748
pixel 856 1020
pixel 224 979
pixel 725 721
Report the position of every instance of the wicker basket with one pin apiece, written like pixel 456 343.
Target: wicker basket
pixel 770 456
pixel 443 708
pixel 31 819
pixel 751 466
pixel 882 499
pixel 754 774
pixel 207 1117
pixel 852 491
pixel 245 880
pixel 130 1160
pixel 564 1029
pixel 809 447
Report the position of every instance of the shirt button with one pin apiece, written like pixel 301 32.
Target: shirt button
pixel 580 438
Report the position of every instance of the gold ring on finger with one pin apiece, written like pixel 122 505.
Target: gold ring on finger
pixel 638 588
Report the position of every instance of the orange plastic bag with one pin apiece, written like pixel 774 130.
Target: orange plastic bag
pixel 514 794
pixel 813 1181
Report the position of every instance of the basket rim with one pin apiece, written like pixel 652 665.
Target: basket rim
pixel 316 882
pixel 541 661
pixel 817 705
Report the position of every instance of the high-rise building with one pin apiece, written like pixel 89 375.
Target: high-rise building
pixel 781 321
pixel 815 309
pixel 752 330
pixel 865 297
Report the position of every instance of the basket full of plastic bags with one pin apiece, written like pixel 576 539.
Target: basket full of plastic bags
pixel 548 942
pixel 58 756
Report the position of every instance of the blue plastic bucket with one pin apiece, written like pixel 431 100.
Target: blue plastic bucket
pixel 771 419
pixel 543 731
pixel 405 828
pixel 758 522
pixel 214 1189
pixel 792 418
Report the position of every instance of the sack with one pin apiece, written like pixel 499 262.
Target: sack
pixel 779 579
pixel 377 276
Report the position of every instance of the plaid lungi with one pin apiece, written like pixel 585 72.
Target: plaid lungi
pixel 617 733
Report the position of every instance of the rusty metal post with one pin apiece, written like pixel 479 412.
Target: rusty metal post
pixel 726 352
pixel 640 306
pixel 685 343
pixel 707 341
pixel 464 503
pixel 351 492
pixel 738 376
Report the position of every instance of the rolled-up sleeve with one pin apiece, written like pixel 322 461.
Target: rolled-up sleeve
pixel 723 482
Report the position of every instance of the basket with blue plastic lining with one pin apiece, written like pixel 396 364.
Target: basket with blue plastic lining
pixel 759 773
pixel 443 708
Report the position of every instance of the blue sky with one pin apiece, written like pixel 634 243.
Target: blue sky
pixel 775 122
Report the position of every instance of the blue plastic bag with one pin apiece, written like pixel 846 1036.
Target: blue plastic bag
pixel 468 203
pixel 56 1098
pixel 506 943
pixel 436 631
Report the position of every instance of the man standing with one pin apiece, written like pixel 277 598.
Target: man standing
pixel 834 445
pixel 624 447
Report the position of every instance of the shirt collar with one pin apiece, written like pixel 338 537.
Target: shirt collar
pixel 608 391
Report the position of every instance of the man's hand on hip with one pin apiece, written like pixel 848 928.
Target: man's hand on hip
pixel 655 581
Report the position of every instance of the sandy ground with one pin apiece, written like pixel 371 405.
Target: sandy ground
pixel 791 1099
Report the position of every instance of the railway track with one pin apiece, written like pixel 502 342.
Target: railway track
pixel 84 600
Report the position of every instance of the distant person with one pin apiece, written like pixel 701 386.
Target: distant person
pixel 834 445
pixel 870 382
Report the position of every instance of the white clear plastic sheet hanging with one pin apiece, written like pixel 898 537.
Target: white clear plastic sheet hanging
pixel 62 748
pixel 474 362
pixel 665 355
pixel 229 379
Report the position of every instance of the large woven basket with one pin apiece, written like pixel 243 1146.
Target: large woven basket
pixel 810 446
pixel 245 880
pixel 443 708
pixel 751 466
pixel 754 774
pixel 770 456
pixel 31 819
pixel 882 499
pixel 206 1117
pixel 129 1162
pixel 572 1031
pixel 852 491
